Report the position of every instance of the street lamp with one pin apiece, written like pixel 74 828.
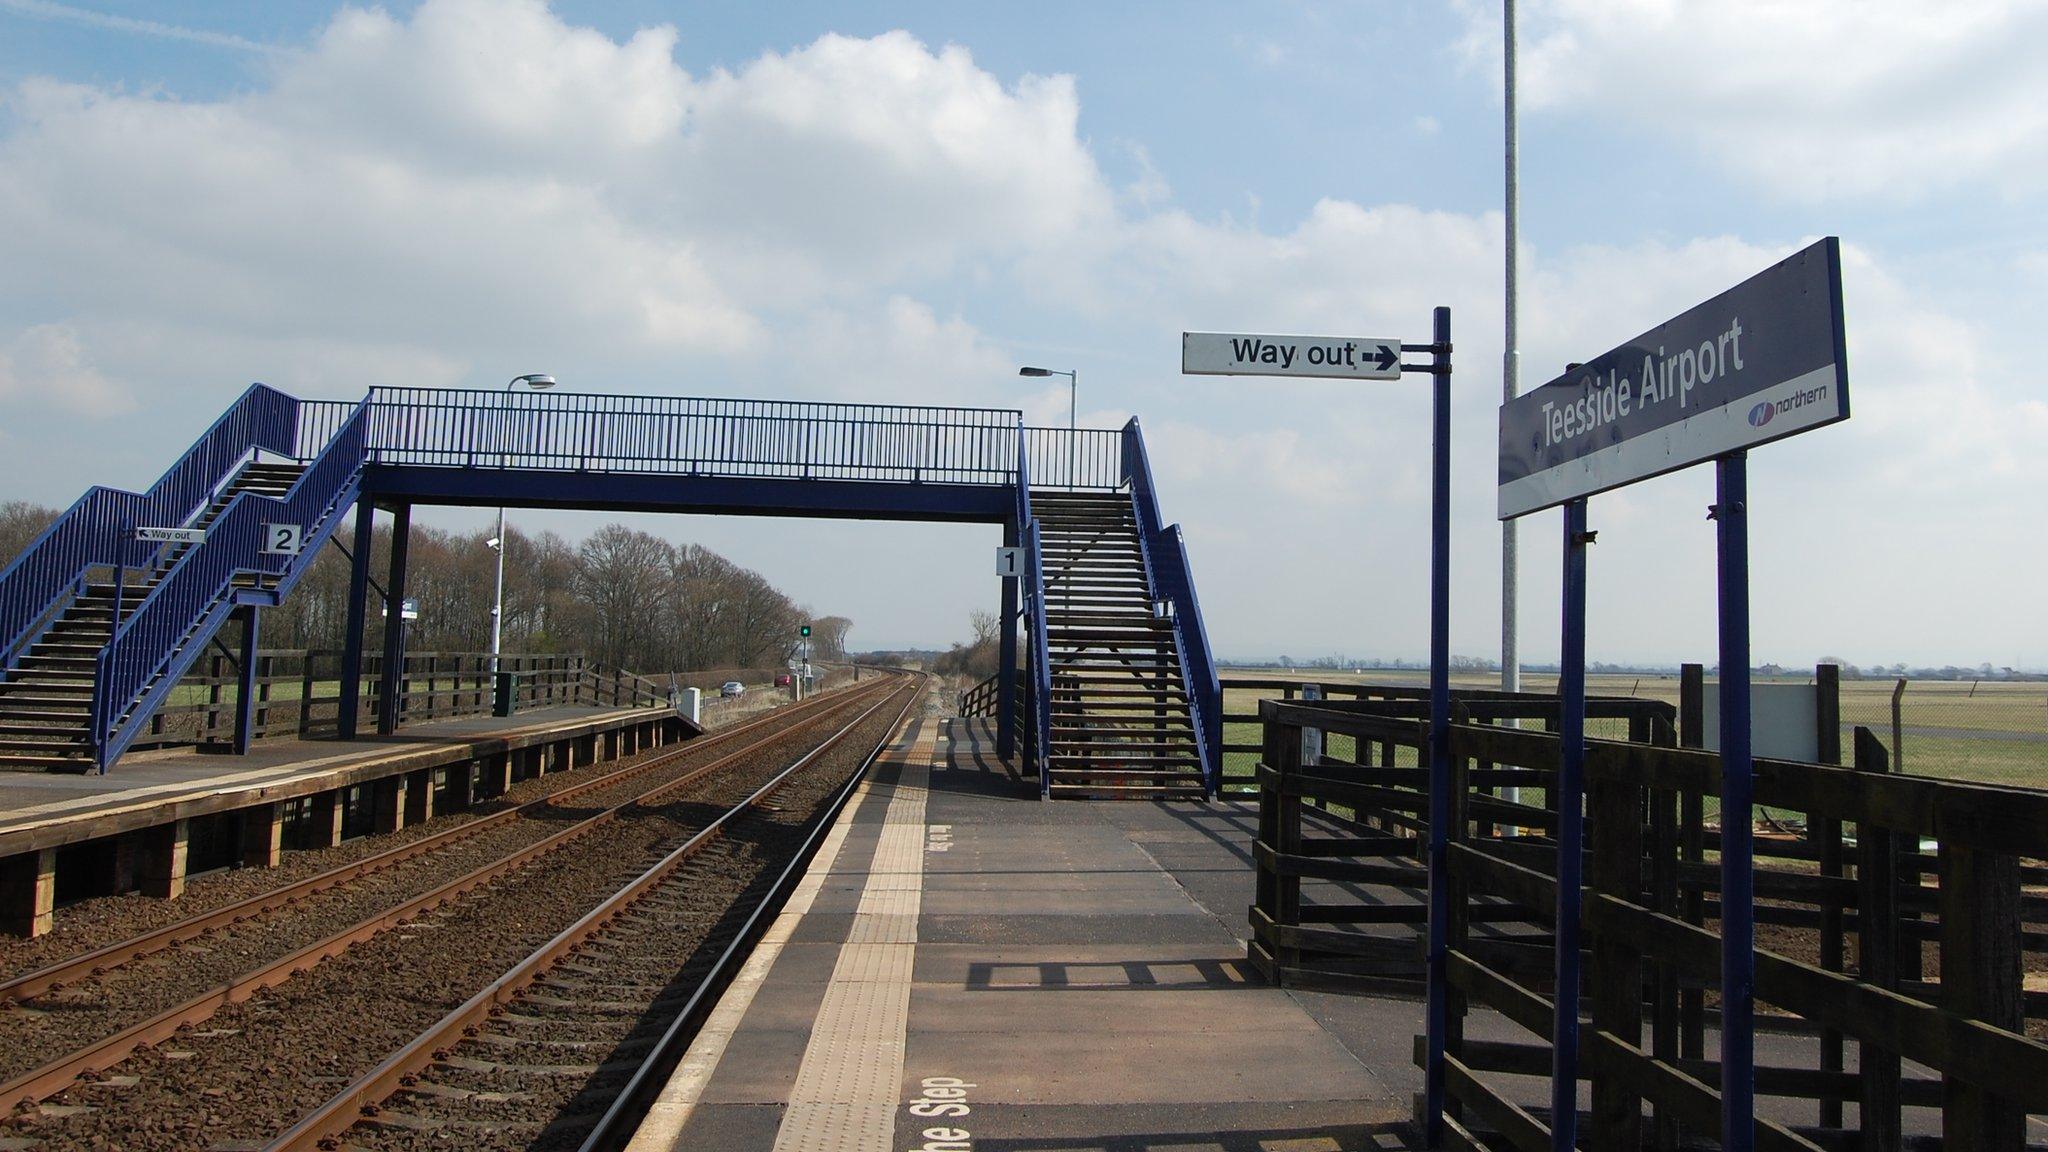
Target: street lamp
pixel 539 382
pixel 1073 388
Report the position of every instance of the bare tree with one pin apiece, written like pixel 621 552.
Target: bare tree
pixel 20 523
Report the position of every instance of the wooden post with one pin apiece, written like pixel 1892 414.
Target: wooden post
pixel 1980 978
pixel 1692 848
pixel 1824 836
pixel 1664 900
pixel 388 804
pixel 1877 949
pixel 419 796
pixel 306 694
pixel 28 893
pixel 263 835
pixel 1277 896
pixel 1458 925
pixel 161 870
pixel 498 774
pixel 325 811
pixel 1616 843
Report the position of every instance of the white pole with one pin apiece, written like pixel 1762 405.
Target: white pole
pixel 1511 372
pixel 498 600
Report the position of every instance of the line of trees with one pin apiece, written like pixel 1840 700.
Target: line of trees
pixel 624 597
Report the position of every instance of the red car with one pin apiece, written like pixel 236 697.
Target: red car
pixel 784 680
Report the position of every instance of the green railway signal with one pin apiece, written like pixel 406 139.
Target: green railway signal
pixel 804 631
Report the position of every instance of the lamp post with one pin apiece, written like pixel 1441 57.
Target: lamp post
pixel 539 382
pixel 1073 388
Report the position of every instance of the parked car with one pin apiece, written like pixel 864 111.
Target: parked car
pixel 731 689
pixel 784 680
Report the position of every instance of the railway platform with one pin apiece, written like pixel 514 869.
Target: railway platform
pixel 162 815
pixel 964 967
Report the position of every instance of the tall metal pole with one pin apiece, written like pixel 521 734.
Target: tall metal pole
pixel 1437 1007
pixel 1511 369
pixel 1511 381
pixel 1571 833
pixel 1738 892
pixel 1073 400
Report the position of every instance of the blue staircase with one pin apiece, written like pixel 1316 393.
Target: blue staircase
pixel 99 626
pixel 1127 703
pixel 1122 698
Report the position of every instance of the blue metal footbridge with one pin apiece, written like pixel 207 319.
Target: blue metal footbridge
pixel 105 611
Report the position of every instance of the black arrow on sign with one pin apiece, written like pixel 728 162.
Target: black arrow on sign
pixel 1388 354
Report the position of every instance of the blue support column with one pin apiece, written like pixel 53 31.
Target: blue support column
pixel 1738 891
pixel 1571 834
pixel 388 700
pixel 1438 1007
pixel 245 684
pixel 349 709
pixel 1006 661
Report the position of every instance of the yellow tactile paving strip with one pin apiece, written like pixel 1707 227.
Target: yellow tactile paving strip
pixel 878 922
pixel 845 1096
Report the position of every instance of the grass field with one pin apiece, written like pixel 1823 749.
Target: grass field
pixel 1990 732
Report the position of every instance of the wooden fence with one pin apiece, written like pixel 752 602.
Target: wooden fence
pixel 297 692
pixel 1895 917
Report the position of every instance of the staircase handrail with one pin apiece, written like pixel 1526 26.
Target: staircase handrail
pixel 1171 579
pixel 148 651
pixel 1042 658
pixel 98 530
pixel 1034 600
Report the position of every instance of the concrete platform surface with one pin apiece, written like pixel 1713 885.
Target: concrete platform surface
pixel 966 967
pixel 36 800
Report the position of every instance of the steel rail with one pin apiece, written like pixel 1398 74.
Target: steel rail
pixel 615 1127
pixel 322 1128
pixel 60 1074
pixel 100 961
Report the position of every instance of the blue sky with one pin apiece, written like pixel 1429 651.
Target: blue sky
pixel 325 197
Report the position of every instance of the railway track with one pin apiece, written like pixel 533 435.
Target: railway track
pixel 559 1051
pixel 639 806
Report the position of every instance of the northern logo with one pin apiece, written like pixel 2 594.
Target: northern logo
pixel 1761 414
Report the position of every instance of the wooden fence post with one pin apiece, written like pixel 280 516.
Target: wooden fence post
pixel 1980 978
pixel 1615 815
pixel 306 694
pixel 1877 949
pixel 1279 895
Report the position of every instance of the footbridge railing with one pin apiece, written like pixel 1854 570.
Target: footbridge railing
pixel 692 436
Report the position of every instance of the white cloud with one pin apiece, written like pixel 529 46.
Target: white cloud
pixel 46 366
pixel 481 189
pixel 1887 98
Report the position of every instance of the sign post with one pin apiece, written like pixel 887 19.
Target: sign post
pixel 1762 361
pixel 1379 358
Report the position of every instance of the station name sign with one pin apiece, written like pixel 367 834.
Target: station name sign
pixel 1760 362
pixel 1337 357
